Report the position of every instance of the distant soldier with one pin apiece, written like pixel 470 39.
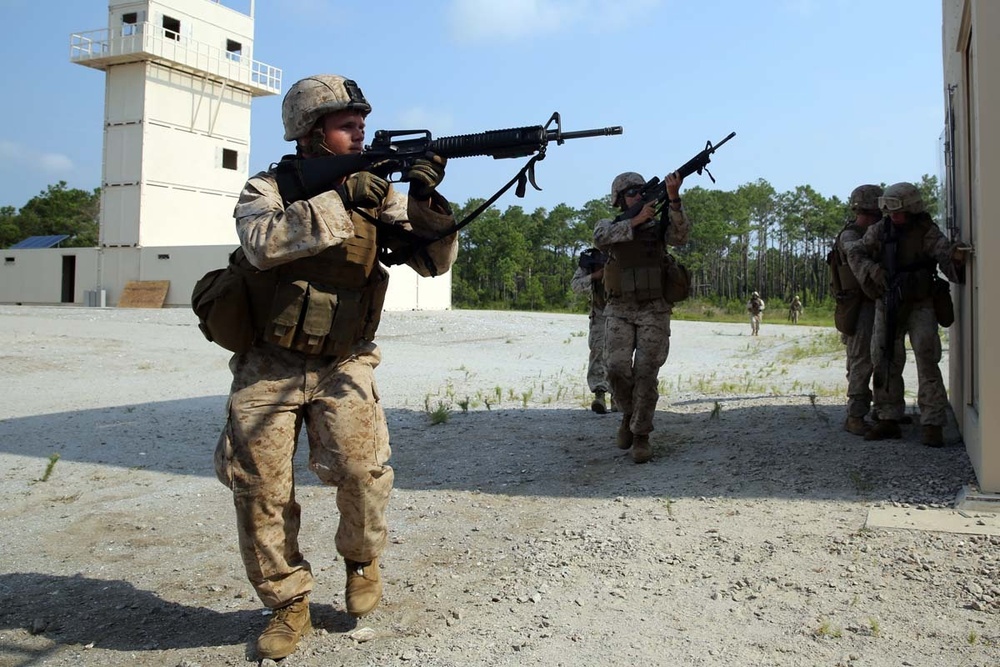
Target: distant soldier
pixel 641 296
pixel 905 251
pixel 755 306
pixel 588 280
pixel 794 310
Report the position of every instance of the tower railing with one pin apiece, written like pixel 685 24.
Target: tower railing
pixel 135 42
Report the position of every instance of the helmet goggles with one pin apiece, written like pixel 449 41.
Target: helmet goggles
pixel 890 204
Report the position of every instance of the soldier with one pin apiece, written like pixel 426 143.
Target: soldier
pixel 755 306
pixel 316 261
pixel 588 279
pixel 904 252
pixel 795 310
pixel 858 305
pixel 640 283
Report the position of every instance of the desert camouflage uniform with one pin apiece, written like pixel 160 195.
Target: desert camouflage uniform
pixel 755 316
pixel 638 332
pixel 276 390
pixel 794 310
pixel 920 323
pixel 597 370
pixel 859 346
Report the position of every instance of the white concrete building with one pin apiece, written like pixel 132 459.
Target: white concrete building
pixel 180 77
pixel 972 148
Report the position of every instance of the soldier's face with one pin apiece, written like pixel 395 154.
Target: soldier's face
pixel 344 132
pixel 898 217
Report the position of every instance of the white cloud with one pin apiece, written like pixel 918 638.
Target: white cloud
pixel 510 20
pixel 20 156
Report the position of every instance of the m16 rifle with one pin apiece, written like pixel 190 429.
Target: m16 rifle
pixel 392 152
pixel 891 300
pixel 655 190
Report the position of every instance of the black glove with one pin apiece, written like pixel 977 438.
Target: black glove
pixel 364 190
pixel 425 175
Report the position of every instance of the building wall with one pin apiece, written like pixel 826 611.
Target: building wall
pixel 971 54
pixel 35 276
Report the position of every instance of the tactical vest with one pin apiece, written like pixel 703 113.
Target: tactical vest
pixel 844 280
pixel 754 306
pixel 324 304
pixel 915 269
pixel 635 270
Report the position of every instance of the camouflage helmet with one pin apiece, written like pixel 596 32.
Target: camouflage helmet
pixel 756 295
pixel 901 197
pixel 311 98
pixel 865 198
pixel 623 182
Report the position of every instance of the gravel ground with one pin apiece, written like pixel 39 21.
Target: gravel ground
pixel 520 535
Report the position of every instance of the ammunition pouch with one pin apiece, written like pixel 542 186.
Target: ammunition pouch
pixel 944 309
pixel 320 320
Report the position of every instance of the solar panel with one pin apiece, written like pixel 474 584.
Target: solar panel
pixel 40 242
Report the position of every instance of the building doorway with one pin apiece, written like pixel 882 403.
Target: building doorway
pixel 68 278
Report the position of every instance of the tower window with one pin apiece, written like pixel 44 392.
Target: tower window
pixel 229 158
pixel 172 28
pixel 233 49
pixel 129 22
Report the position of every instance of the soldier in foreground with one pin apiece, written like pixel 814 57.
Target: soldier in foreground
pixel 638 287
pixel 755 306
pixel 319 289
pixel 904 252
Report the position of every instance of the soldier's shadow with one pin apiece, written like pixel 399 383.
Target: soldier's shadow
pixel 114 615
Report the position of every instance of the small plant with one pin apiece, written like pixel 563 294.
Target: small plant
pixel 464 404
pixel 526 396
pixel 669 502
pixel 440 414
pixel 826 629
pixel 716 411
pixel 48 469
pixel 875 627
pixel 972 637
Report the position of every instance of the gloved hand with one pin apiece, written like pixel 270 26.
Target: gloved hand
pixel 364 190
pixel 425 175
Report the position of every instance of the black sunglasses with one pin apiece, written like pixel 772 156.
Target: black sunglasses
pixel 632 191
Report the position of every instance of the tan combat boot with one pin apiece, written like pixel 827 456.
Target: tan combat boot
pixel 624 438
pixel 933 436
pixel 283 631
pixel 364 587
pixel 641 449
pixel 599 406
pixel 856 425
pixel 884 429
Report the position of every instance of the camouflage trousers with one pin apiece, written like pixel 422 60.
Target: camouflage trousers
pixel 597 369
pixel 754 325
pixel 274 392
pixel 932 397
pixel 636 346
pixel 859 362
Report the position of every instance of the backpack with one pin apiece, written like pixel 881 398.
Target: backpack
pixel 845 289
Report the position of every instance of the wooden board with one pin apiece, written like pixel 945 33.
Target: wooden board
pixel 144 294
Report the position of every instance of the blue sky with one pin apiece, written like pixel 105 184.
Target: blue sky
pixel 827 93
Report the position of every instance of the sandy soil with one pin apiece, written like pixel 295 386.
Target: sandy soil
pixel 520 535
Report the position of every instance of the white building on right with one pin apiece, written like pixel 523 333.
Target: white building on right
pixel 971 55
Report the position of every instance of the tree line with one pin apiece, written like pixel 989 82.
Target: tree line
pixel 55 211
pixel 750 238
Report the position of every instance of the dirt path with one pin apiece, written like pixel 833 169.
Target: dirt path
pixel 519 534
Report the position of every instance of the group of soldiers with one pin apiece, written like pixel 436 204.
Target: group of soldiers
pixel 887 287
pixel 300 302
